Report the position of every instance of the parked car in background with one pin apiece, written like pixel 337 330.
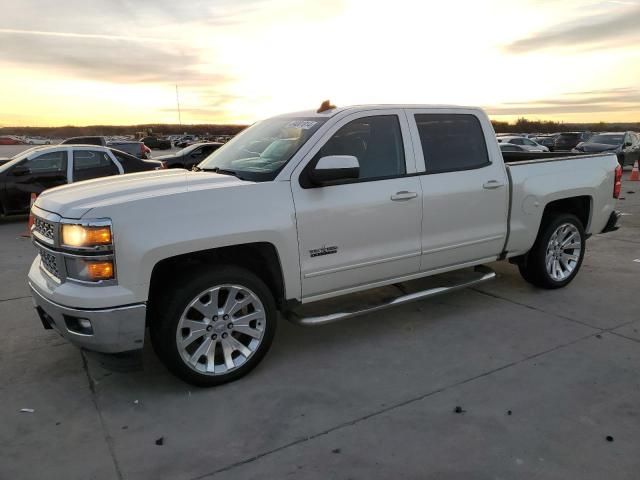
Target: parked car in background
pixel 546 141
pixel 526 143
pixel 37 141
pixel 337 201
pixel 626 145
pixel 88 140
pixel 132 147
pixel 156 143
pixel 568 140
pixel 40 168
pixel 510 147
pixel 10 140
pixel 189 156
pixel 185 141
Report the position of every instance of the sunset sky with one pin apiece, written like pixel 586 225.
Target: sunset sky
pixel 118 61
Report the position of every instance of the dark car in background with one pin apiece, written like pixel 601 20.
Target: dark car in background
pixel 569 140
pixel 156 143
pixel 189 156
pixel 135 148
pixel 626 145
pixel 41 168
pixel 87 140
pixel 548 141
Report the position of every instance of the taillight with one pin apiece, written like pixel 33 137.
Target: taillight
pixel 617 183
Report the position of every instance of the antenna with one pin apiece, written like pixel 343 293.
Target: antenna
pixel 178 102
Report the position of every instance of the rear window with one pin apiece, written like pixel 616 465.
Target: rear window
pixel 451 142
pixel 569 135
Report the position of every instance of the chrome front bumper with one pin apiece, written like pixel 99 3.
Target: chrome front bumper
pixel 113 330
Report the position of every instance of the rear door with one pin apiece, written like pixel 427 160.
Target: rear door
pixel 365 230
pixel 465 190
pixel 91 163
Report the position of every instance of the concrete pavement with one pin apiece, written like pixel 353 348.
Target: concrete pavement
pixel 371 397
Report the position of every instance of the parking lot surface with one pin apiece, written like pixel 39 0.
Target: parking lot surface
pixel 548 385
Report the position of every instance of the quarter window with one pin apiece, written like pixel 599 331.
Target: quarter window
pixel 375 141
pixel 451 142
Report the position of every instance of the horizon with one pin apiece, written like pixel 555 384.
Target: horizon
pixel 235 62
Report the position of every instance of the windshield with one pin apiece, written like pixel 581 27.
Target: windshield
pixel 607 139
pixel 259 152
pixel 186 150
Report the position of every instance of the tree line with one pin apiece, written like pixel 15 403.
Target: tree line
pixel 522 125
pixel 111 130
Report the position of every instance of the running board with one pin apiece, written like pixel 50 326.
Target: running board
pixel 479 274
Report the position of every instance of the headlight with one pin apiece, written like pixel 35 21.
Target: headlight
pixel 81 236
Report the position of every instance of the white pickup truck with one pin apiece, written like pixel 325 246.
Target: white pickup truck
pixel 299 215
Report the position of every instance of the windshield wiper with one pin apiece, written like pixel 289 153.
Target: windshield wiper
pixel 221 171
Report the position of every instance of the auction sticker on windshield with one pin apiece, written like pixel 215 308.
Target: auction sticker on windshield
pixel 302 124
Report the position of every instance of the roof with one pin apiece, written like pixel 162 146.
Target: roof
pixel 356 108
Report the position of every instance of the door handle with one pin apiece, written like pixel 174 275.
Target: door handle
pixel 403 196
pixel 492 184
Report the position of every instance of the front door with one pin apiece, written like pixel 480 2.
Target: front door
pixel 34 175
pixel 367 230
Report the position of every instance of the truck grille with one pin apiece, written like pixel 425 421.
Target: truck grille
pixel 44 228
pixel 49 262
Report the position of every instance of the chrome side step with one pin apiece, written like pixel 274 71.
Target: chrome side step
pixel 480 274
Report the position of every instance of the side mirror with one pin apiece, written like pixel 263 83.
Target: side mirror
pixel 334 168
pixel 20 170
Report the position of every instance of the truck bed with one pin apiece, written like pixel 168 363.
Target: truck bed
pixel 538 179
pixel 512 158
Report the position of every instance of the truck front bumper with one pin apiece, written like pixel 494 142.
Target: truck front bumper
pixel 613 223
pixel 106 330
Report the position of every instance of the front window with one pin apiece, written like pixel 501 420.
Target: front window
pixel 607 139
pixel 260 152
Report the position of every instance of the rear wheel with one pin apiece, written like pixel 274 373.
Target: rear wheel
pixel 557 254
pixel 215 327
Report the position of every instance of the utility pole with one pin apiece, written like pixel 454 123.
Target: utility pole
pixel 178 102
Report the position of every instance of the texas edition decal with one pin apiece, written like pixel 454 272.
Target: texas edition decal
pixel 316 252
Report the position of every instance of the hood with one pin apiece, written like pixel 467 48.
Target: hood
pixel 75 200
pixel 597 147
pixel 170 156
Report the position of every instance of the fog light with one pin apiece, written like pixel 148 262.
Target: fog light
pixel 79 325
pixel 89 270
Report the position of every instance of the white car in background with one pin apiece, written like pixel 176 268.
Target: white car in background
pixel 37 141
pixel 526 143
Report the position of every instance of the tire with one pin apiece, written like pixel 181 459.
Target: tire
pixel 221 349
pixel 564 263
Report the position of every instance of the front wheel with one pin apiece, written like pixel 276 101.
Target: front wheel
pixel 557 254
pixel 216 326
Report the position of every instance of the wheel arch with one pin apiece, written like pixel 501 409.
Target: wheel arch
pixel 261 258
pixel 581 206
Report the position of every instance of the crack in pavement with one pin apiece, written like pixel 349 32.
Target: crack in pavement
pixel 625 337
pixel 14 298
pixel 531 307
pixel 107 437
pixel 624 240
pixel 388 409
